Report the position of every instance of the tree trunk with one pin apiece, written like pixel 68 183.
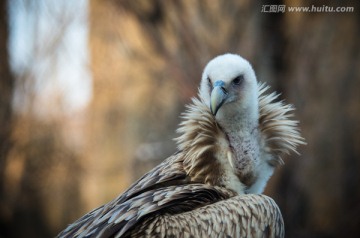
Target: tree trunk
pixel 6 94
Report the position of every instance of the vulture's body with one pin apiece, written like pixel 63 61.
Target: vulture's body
pixel 231 139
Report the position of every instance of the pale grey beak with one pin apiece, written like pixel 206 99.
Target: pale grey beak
pixel 218 96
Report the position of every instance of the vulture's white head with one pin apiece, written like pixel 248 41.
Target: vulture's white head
pixel 230 89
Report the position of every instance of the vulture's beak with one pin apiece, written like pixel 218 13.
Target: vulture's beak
pixel 218 96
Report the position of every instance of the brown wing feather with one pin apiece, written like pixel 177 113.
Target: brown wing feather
pixel 125 216
pixel 169 172
pixel 240 216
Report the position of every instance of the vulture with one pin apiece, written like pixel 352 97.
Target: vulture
pixel 231 138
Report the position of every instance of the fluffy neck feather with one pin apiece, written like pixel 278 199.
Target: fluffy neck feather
pixel 199 140
pixel 202 138
pixel 279 131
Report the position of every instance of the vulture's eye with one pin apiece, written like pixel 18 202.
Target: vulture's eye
pixel 238 80
pixel 209 82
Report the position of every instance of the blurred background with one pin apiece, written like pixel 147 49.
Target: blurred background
pixel 91 92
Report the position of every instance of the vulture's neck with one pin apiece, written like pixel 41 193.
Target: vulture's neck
pixel 240 124
pixel 242 131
